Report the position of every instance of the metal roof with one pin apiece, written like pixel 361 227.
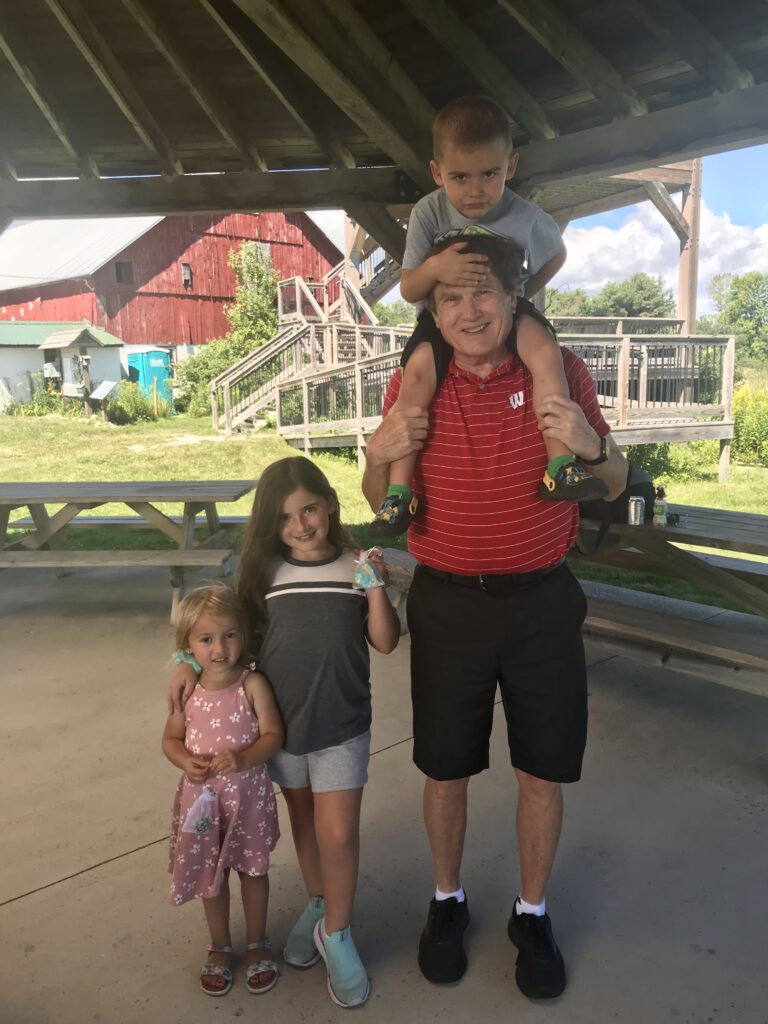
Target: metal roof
pixel 34 333
pixel 40 251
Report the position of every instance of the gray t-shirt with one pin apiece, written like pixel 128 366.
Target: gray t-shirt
pixel 315 653
pixel 530 228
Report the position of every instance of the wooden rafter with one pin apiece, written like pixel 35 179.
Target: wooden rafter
pixel 441 19
pixel 278 75
pixel 664 203
pixel 42 92
pixel 216 109
pixel 357 93
pixel 683 33
pixel 563 41
pixel 665 174
pixel 382 226
pixel 208 193
pixel 93 47
pixel 614 201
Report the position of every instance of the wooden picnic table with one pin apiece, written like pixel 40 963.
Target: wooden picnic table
pixel 41 548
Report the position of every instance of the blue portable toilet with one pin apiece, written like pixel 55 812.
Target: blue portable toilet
pixel 147 364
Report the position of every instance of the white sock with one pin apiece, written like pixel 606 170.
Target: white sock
pixel 458 895
pixel 537 909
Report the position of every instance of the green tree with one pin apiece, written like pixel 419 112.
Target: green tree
pixel 390 314
pixel 639 295
pixel 560 302
pixel 253 314
pixel 741 301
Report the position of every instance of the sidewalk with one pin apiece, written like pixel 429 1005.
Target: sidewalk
pixel 657 899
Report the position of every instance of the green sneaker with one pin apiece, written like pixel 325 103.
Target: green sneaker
pixel 348 983
pixel 572 483
pixel 300 950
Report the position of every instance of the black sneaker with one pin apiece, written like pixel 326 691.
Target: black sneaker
pixel 441 948
pixel 572 483
pixel 540 972
pixel 394 517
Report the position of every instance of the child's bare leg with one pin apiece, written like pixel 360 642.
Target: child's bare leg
pixel 337 826
pixel 417 387
pixel 217 916
pixel 541 354
pixel 301 811
pixel 255 892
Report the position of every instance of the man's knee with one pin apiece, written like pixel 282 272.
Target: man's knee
pixel 450 791
pixel 540 790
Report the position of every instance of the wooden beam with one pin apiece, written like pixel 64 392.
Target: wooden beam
pixel 382 226
pixel 666 175
pixel 663 202
pixel 683 33
pixel 563 41
pixel 276 73
pixel 710 125
pixel 361 95
pixel 688 264
pixel 93 47
pixel 42 92
pixel 207 193
pixel 217 110
pixel 614 201
pixel 440 18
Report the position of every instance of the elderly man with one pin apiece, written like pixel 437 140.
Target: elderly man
pixel 492 602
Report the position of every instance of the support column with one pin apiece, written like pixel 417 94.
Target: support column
pixel 688 267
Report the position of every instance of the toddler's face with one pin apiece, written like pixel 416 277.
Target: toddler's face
pixel 215 643
pixel 474 179
pixel 304 524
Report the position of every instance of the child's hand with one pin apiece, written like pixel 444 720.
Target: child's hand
pixel 454 266
pixel 226 761
pixel 181 686
pixel 197 767
pixel 376 557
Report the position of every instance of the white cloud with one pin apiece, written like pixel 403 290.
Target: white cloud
pixel 645 242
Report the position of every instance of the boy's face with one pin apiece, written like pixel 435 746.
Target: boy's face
pixel 474 179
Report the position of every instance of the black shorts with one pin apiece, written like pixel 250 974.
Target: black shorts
pixel 465 642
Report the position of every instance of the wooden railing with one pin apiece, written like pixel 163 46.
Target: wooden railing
pixel 334 297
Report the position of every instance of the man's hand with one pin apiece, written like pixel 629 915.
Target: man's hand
pixel 560 419
pixel 401 432
pixel 226 761
pixel 197 767
pixel 454 266
pixel 181 685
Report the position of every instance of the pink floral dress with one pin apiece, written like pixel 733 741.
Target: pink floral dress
pixel 230 821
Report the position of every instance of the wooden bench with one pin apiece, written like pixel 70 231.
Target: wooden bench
pixel 137 522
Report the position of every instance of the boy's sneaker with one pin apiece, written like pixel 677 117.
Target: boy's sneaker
pixel 540 972
pixel 300 949
pixel 394 516
pixel 441 948
pixel 572 483
pixel 348 983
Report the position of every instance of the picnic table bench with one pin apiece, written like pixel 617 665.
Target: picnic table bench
pixel 41 548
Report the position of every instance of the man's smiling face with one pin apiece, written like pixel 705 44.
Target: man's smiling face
pixel 475 321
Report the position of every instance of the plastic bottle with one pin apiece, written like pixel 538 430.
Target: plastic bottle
pixel 660 507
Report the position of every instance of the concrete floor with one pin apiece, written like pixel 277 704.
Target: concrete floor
pixel 658 899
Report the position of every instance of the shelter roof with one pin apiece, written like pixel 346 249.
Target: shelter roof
pixel 62 333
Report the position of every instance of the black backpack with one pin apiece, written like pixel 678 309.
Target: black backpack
pixel 617 511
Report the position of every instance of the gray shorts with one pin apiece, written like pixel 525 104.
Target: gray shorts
pixel 344 766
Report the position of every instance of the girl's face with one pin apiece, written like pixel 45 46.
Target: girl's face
pixel 216 644
pixel 304 526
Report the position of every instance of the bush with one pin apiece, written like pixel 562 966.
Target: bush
pixel 46 399
pixel 693 460
pixel 129 405
pixel 750 414
pixel 192 391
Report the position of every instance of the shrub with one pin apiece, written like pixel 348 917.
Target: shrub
pixel 693 460
pixel 46 399
pixel 750 414
pixel 194 374
pixel 129 405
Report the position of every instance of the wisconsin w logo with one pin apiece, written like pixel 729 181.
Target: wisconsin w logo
pixel 517 399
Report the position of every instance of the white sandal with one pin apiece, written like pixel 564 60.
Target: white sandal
pixel 217 971
pixel 258 967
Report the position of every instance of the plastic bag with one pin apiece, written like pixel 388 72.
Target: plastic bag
pixel 367 575
pixel 202 813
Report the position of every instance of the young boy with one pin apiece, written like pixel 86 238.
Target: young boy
pixel 473 160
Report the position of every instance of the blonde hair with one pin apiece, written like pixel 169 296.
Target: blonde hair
pixel 469 122
pixel 215 600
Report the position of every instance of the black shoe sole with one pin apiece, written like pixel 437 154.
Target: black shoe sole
pixel 442 976
pixel 546 988
pixel 582 492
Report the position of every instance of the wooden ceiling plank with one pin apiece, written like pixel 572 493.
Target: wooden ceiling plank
pixel 208 193
pixel 667 175
pixel 215 108
pixel 563 41
pixel 683 33
pixel 94 48
pixel 714 124
pixel 381 225
pixel 42 92
pixel 277 76
pixel 349 93
pixel 440 18
pixel 664 203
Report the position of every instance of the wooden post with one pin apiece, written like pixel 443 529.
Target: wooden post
pixel 358 344
pixel 84 361
pixel 688 266
pixel 622 383
pixel 305 404
pixel 227 411
pixel 214 409
pixel 729 360
pixel 359 412
pixel 154 397
pixel 642 380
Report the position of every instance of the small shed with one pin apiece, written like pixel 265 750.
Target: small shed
pixel 33 352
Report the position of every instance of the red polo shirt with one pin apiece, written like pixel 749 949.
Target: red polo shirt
pixel 478 474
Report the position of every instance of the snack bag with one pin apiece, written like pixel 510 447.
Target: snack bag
pixel 367 575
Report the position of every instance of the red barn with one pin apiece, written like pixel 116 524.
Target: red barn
pixel 148 280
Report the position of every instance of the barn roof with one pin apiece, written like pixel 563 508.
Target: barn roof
pixel 34 333
pixel 162 106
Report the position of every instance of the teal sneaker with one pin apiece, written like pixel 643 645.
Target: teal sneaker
pixel 300 949
pixel 348 983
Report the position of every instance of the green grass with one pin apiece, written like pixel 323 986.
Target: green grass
pixel 55 448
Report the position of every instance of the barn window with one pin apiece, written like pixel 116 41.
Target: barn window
pixel 186 275
pixel 124 272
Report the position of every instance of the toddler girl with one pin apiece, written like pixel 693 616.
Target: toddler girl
pixel 224 813
pixel 311 623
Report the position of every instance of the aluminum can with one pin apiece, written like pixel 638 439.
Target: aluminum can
pixel 636 510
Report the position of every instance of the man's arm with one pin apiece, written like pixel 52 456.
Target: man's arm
pixel 545 273
pixel 401 432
